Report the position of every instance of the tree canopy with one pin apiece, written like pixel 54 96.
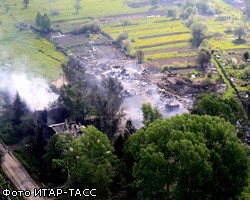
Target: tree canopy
pixel 43 22
pixel 229 109
pixel 150 114
pixel 88 160
pixel 199 32
pixel 204 53
pixel 240 30
pixel 188 157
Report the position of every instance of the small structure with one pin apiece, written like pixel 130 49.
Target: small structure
pixel 72 127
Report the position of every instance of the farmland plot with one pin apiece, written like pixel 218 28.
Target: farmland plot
pixel 160 38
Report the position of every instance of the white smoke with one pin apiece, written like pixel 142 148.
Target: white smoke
pixel 34 91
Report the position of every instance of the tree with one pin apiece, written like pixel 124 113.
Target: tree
pixel 150 114
pixel 123 35
pixel 246 55
pixel 38 19
pixel 54 151
pixel 43 22
pixel 25 3
pixel 229 109
pixel 46 23
pixel 106 101
pixel 172 12
pixel 19 109
pixel 140 56
pixel 199 32
pixel 204 53
pixel 188 157
pixel 90 162
pixel 154 2
pixel 247 3
pixel 77 6
pixel 247 72
pixel 240 30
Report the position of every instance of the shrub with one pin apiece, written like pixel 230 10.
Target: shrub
pixel 93 27
pixel 54 11
pixel 123 35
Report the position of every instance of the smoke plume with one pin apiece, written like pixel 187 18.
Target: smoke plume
pixel 35 92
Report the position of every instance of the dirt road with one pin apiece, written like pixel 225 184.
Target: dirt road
pixel 17 174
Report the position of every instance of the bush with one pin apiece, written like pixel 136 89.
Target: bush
pixel 123 35
pixel 172 12
pixel 234 62
pixel 54 11
pixel 93 27
pixel 126 45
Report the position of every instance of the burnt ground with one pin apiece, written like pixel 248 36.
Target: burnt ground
pixel 185 87
pixel 100 59
pixel 141 83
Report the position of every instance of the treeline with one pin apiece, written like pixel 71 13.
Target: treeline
pixel 16 120
pixel 185 157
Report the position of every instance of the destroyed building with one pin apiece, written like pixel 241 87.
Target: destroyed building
pixel 72 127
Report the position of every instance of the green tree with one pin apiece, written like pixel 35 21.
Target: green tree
pixel 123 35
pixel 188 157
pixel 90 162
pixel 150 114
pixel 247 72
pixel 154 2
pixel 43 22
pixel 77 6
pixel 25 3
pixel 240 30
pixel 172 12
pixel 199 32
pixel 106 102
pixel 19 108
pixel 246 55
pixel 229 109
pixel 38 19
pixel 54 151
pixel 204 53
pixel 140 56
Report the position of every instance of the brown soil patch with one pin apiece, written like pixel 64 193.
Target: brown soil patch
pixel 178 49
pixel 162 35
pixel 139 5
pixel 161 44
pixel 115 18
pixel 170 61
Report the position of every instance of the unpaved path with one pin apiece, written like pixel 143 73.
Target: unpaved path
pixel 16 173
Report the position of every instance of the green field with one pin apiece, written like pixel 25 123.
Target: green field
pixel 159 37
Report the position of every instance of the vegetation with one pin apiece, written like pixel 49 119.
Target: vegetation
pixel 77 6
pixel 150 114
pixel 229 109
pixel 204 53
pixel 93 27
pixel 140 56
pixel 26 3
pixel 203 148
pixel 240 30
pixel 16 120
pixel 199 33
pixel 43 22
pixel 87 161
pixel 246 55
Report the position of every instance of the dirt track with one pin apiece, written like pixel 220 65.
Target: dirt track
pixel 17 174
